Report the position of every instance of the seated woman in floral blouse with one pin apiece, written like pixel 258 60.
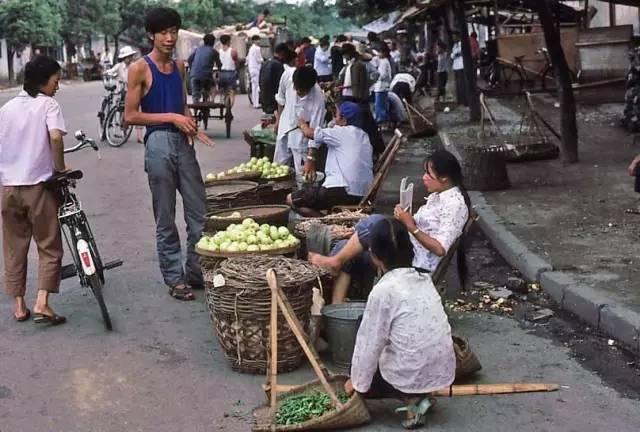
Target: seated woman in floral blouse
pixel 404 348
pixel 434 228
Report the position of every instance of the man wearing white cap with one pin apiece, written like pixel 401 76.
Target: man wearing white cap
pixel 121 69
pixel 126 55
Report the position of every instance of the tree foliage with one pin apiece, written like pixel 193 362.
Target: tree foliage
pixel 28 22
pixel 366 10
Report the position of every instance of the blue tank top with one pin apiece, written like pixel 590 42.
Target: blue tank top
pixel 165 96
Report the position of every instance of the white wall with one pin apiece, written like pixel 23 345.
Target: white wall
pixel 18 61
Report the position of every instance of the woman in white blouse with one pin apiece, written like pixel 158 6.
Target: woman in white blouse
pixel 404 348
pixel 434 227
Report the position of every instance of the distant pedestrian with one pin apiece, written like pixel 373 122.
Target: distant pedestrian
pixel 322 61
pixel 228 81
pixel 458 71
pixel 31 131
pixel 382 85
pixel 156 99
pixel 442 70
pixel 201 62
pixel 337 61
pixel 254 63
pixel 270 77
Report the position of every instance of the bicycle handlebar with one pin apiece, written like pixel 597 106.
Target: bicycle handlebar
pixel 83 143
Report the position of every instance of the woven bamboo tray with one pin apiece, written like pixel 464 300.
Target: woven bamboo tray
pixel 231 193
pixel 241 310
pixel 270 214
pixel 353 413
pixel 210 260
pixel 251 176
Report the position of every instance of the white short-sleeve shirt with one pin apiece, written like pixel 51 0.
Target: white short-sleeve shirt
pixel 25 149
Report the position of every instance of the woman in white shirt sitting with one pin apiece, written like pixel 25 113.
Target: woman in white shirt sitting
pixel 434 227
pixel 404 348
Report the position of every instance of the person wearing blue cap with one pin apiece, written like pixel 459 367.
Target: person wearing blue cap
pixel 349 165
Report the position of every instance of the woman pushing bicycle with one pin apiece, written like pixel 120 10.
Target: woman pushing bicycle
pixel 31 151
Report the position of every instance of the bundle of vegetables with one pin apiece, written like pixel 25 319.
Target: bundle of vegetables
pixel 267 169
pixel 249 237
pixel 303 407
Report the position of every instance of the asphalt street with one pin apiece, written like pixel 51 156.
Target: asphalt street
pixel 161 369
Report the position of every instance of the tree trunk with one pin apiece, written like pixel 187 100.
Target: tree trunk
pixel 470 73
pixel 116 46
pixel 569 128
pixel 10 55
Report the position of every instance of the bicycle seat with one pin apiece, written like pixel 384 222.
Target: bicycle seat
pixel 69 175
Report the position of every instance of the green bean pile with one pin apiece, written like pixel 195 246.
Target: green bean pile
pixel 302 407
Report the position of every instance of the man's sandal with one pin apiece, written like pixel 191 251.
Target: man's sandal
pixel 181 292
pixel 419 412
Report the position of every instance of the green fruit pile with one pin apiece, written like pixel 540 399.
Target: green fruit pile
pixel 249 237
pixel 267 170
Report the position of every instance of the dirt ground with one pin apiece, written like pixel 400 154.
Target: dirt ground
pixel 573 215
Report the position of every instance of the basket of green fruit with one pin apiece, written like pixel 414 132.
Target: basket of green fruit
pixel 254 168
pixel 219 220
pixel 308 407
pixel 245 239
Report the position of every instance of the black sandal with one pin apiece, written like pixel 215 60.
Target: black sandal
pixel 53 320
pixel 181 292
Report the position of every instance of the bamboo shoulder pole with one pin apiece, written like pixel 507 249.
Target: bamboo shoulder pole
pixel 492 389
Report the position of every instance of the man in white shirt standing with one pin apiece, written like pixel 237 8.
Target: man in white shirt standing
pixel 299 97
pixel 254 62
pixel 322 61
pixel 458 70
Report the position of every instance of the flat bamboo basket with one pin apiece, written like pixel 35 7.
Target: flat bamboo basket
pixel 270 214
pixel 353 413
pixel 251 176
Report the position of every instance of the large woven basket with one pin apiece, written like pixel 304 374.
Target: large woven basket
pixel 276 192
pixel 241 310
pixel 233 193
pixel 277 215
pixel 210 260
pixel 353 413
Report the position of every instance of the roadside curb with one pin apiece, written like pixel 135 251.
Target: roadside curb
pixel 572 295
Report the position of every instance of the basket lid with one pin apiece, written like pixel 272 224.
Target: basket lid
pixel 230 187
pixel 251 272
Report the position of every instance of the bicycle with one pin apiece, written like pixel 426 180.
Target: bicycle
pixel 108 81
pixel 87 263
pixel 117 131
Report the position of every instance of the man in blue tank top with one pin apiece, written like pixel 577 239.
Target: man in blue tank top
pixel 156 98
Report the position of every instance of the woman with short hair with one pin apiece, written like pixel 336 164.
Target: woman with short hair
pixel 403 348
pixel 31 152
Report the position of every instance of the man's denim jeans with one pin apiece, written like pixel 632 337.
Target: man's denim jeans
pixel 171 165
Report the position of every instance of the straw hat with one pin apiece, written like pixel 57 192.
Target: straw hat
pixel 126 51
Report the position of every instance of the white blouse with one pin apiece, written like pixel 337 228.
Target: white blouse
pixel 443 217
pixel 406 334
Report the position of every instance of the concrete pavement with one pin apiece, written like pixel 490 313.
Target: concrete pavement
pixel 162 369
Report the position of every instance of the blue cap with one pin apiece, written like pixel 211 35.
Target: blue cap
pixel 351 113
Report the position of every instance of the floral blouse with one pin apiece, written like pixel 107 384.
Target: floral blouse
pixel 406 334
pixel 443 217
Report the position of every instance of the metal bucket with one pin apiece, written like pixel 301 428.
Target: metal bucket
pixel 341 324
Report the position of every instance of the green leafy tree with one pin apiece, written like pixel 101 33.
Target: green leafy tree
pixel 366 10
pixel 28 22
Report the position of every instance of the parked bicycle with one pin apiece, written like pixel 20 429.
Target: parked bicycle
pixel 87 263
pixel 112 126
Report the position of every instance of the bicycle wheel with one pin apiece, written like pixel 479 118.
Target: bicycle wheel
pixel 117 131
pixel 96 287
pixel 87 234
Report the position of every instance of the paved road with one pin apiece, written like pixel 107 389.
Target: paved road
pixel 162 370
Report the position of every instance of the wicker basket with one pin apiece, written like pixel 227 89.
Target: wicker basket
pixel 250 176
pixel 241 312
pixel 270 214
pixel 466 361
pixel 275 192
pixel 210 260
pixel 232 193
pixel 353 413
